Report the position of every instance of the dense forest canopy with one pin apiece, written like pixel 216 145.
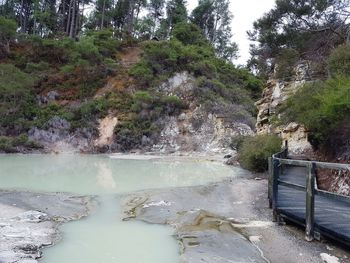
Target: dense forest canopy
pixel 299 29
pixel 140 19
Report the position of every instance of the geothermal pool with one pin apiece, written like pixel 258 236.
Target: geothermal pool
pixel 103 237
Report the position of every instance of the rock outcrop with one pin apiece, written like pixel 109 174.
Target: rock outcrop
pixel 274 95
pixel 196 129
pixel 57 137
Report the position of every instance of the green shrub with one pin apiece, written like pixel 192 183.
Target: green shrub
pixel 320 106
pixel 286 61
pixel 254 151
pixel 87 49
pixel 237 141
pixel 6 145
pixel 46 113
pixel 11 144
pixel 189 34
pixel 339 61
pixel 205 68
pixel 110 62
pixel 142 72
pixel 106 43
pixel 161 59
pixel 143 114
pixel 8 29
pixel 67 68
pixel 37 67
pixel 16 98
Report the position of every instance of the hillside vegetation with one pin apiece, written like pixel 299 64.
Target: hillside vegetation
pixel 49 78
pixel 313 33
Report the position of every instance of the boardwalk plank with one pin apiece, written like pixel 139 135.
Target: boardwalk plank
pixel 332 217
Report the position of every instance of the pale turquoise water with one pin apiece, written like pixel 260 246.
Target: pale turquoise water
pixel 103 237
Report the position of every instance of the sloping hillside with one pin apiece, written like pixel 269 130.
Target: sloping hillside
pixel 99 94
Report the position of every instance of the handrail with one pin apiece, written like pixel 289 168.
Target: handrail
pixel 322 165
pixel 276 163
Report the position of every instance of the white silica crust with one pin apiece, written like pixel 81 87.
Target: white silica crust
pixel 103 236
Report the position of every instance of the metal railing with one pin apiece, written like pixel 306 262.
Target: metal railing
pixel 277 164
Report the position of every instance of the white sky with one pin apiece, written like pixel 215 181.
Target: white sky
pixel 245 12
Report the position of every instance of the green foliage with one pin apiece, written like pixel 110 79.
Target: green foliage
pixel 162 58
pixel 89 112
pixel 142 72
pixel 320 106
pixel 105 42
pixel 310 27
pixel 143 117
pixel 253 152
pixel 8 29
pixel 46 113
pixel 11 144
pixel 286 61
pixel 87 49
pixel 189 34
pixel 225 100
pixel 339 61
pixel 36 67
pixel 176 11
pixel 221 87
pixel 214 18
pixel 237 141
pixel 67 68
pixel 16 98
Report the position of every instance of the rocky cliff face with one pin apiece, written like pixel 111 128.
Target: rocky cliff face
pixel 275 94
pixel 195 129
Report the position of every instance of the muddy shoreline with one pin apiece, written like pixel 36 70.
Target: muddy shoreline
pixel 221 222
pixel 228 222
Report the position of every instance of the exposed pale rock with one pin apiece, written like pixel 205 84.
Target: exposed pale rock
pixel 297 137
pixel 196 130
pixel 25 230
pixel 181 85
pixel 106 131
pixel 56 137
pixel 274 95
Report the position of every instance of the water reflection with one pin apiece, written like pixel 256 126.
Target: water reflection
pixel 104 176
pixel 99 174
pixel 103 237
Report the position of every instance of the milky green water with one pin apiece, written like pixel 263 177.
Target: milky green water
pixel 102 237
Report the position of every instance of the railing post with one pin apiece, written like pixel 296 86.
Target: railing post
pixel 269 193
pixel 310 202
pixel 286 149
pixel 275 176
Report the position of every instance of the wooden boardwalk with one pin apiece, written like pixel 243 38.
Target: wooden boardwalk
pixel 294 196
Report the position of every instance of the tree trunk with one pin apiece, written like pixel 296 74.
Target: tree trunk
pixel 130 18
pixel 7 47
pixel 78 24
pixel 63 13
pixel 103 14
pixel 21 17
pixel 69 17
pixel 72 23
